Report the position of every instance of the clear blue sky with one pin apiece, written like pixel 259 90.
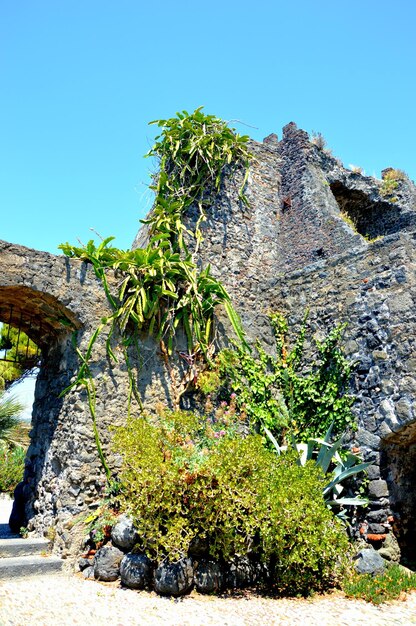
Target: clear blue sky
pixel 80 79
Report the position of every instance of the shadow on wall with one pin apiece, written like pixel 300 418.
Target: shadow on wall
pixel 398 468
pixel 371 218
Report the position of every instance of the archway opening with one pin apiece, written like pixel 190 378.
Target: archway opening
pixel 49 324
pixel 398 468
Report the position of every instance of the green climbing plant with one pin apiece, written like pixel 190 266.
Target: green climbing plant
pixel 285 392
pixel 160 287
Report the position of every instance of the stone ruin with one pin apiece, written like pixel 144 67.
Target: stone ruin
pixel 315 236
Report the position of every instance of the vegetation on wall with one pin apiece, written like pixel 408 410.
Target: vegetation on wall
pixel 288 393
pixel 390 184
pixel 208 475
pixel 161 287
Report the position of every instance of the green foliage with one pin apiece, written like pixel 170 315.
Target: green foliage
pixel 339 467
pixel 9 418
pixel 391 585
pixel 208 381
pixel 159 290
pixel 186 476
pixel 24 532
pixel 161 287
pixel 284 392
pixel 20 349
pixel 12 463
pixel 99 524
pixel 194 150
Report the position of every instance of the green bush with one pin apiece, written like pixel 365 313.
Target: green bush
pixel 187 477
pixel 12 463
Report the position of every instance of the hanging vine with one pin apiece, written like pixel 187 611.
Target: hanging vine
pixel 161 288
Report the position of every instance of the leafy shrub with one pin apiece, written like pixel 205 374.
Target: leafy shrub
pixel 286 391
pixel 390 585
pixel 337 466
pixel 12 463
pixel 185 477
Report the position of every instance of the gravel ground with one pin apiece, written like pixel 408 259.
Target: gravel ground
pixel 61 600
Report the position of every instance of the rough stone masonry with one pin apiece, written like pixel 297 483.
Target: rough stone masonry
pixel 316 236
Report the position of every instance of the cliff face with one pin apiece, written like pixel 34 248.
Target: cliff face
pixel 321 237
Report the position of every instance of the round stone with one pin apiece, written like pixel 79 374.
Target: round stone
pixel 174 579
pixel 136 571
pixel 123 533
pixel 107 563
pixel 209 577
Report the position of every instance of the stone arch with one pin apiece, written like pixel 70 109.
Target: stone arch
pixel 40 315
pixel 64 476
pixel 50 297
pixel 50 324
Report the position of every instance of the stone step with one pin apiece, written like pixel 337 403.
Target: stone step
pixel 23 566
pixel 23 547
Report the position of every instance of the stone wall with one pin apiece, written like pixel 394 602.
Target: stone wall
pixel 374 291
pixel 63 474
pixel 59 302
pixel 305 243
pixel 302 243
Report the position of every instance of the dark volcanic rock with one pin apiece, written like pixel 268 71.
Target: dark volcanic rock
pixel 174 579
pixel 209 577
pixel 107 563
pixel 369 561
pixel 240 573
pixel 136 571
pixel 88 572
pixel 83 563
pixel 123 533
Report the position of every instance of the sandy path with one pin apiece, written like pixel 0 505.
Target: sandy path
pixel 63 600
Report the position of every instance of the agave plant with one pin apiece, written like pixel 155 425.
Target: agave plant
pixel 334 465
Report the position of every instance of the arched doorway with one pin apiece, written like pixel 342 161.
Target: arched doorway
pixel 49 324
